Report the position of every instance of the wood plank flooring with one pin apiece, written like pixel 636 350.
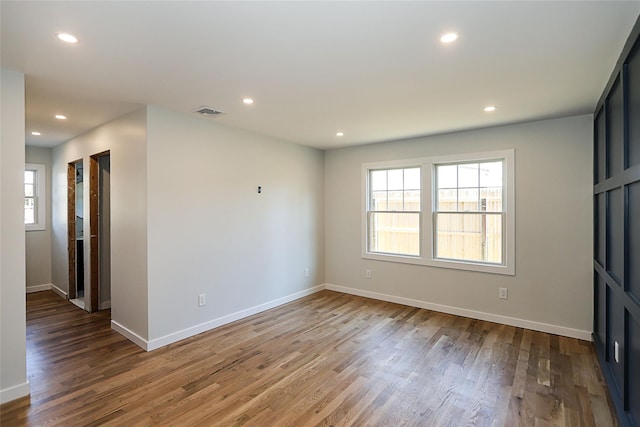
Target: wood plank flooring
pixel 327 359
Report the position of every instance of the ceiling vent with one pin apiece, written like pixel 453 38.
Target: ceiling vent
pixel 207 111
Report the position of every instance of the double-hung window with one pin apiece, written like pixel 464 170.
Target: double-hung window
pixel 34 197
pixel 393 216
pixel 468 213
pixel 449 211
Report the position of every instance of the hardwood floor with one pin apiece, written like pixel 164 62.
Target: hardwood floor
pixel 327 359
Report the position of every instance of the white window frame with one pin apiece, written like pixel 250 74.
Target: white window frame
pixel 39 197
pixel 368 211
pixel 427 204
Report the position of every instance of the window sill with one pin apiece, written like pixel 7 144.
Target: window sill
pixel 451 264
pixel 404 259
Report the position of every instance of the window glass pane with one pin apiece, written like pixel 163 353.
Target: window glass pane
pixel 34 192
pixel 412 179
pixel 379 200
pixel 395 201
pixel 378 180
pixel 469 237
pixel 412 200
pixel 494 238
pixel 447 176
pixel 468 199
pixel 459 236
pixel 395 179
pixel 467 202
pixel 468 175
pixel 394 233
pixel 29 211
pixel 491 174
pixel 491 199
pixel 29 190
pixel 447 200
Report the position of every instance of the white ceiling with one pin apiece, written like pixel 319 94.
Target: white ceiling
pixel 374 70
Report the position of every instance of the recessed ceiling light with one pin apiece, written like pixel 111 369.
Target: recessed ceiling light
pixel 248 101
pixel 449 37
pixel 339 133
pixel 61 117
pixel 490 108
pixel 66 37
pixel 34 133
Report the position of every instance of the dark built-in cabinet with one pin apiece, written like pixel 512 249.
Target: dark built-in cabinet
pixel 616 263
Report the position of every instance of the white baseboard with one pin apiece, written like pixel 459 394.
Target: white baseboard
pixel 46 287
pixel 15 392
pixel 39 288
pixel 105 305
pixel 130 335
pixel 150 345
pixel 490 317
pixel 58 291
pixel 197 329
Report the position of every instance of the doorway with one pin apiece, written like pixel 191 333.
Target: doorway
pixel 75 221
pixel 100 225
pixel 94 293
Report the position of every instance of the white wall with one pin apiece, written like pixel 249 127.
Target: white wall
pixel 38 242
pixel 13 356
pixel 552 288
pixel 126 139
pixel 211 232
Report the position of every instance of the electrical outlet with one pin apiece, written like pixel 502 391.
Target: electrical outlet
pixel 502 293
pixel 367 273
pixel 202 300
pixel 306 272
pixel 616 351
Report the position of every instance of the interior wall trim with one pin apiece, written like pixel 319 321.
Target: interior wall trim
pixel 150 345
pixel 130 335
pixel 223 320
pixel 39 288
pixel 616 203
pixel 15 392
pixel 59 291
pixel 46 287
pixel 473 314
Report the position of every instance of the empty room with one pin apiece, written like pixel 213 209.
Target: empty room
pixel 221 213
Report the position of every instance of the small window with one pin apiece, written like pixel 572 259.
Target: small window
pixel 34 197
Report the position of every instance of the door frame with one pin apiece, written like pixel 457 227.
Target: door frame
pixel 94 230
pixel 71 226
